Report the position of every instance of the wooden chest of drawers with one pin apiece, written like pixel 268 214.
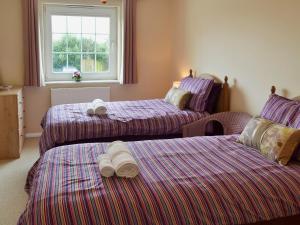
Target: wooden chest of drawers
pixel 11 123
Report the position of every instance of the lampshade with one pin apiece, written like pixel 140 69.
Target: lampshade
pixel 176 84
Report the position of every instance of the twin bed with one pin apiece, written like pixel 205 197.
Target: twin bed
pixel 195 180
pixel 129 120
pixel 199 180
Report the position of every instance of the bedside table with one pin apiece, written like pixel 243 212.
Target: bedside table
pixel 231 122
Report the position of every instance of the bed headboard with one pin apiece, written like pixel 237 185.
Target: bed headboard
pixel 224 98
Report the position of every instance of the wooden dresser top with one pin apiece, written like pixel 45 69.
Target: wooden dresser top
pixel 13 91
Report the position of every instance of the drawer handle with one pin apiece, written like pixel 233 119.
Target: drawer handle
pixel 21 117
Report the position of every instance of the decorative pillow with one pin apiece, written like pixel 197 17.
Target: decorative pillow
pixel 213 98
pixel 200 89
pixel 274 141
pixel 279 143
pixel 280 110
pixel 253 131
pixel 178 97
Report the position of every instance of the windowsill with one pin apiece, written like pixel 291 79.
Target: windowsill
pixel 81 83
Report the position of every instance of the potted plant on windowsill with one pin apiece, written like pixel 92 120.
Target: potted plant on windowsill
pixel 77 76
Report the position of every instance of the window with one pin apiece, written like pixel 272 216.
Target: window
pixel 80 38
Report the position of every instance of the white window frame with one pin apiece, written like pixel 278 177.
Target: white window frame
pixel 115 54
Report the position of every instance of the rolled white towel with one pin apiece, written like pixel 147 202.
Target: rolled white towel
pixel 105 165
pixel 125 165
pixel 116 148
pixel 122 160
pixel 98 100
pixel 99 107
pixel 90 110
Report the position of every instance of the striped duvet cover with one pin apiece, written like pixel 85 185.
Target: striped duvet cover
pixel 199 180
pixel 70 122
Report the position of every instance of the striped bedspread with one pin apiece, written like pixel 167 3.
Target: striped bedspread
pixel 200 180
pixel 69 123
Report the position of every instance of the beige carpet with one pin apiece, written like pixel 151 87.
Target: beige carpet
pixel 12 179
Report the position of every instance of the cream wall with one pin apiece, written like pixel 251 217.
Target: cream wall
pixel 11 46
pixel 255 42
pixel 153 44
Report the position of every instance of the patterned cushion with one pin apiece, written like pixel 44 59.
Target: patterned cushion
pixel 178 97
pixel 280 110
pixel 253 132
pixel 275 141
pixel 279 143
pixel 200 89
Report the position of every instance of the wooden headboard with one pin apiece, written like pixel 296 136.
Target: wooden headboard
pixel 224 98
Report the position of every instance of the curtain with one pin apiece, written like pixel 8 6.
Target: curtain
pixel 130 61
pixel 31 43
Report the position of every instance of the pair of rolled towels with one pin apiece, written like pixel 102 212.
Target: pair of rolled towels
pixel 97 107
pixel 118 159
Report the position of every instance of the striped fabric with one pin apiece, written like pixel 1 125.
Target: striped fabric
pixel 295 122
pixel 200 180
pixel 280 109
pixel 69 123
pixel 200 88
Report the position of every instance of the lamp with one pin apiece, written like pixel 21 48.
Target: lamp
pixel 176 84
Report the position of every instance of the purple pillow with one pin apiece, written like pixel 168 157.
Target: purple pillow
pixel 295 122
pixel 200 89
pixel 280 110
pixel 213 98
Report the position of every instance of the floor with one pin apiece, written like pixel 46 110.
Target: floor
pixel 12 179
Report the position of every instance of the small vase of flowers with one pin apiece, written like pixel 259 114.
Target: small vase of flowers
pixel 77 76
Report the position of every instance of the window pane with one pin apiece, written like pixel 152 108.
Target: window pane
pixel 59 42
pixel 102 25
pixel 74 62
pixel 74 43
pixel 88 43
pixel 59 62
pixel 102 62
pixel 74 24
pixel 59 24
pixel 88 25
pixel 102 43
pixel 88 63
